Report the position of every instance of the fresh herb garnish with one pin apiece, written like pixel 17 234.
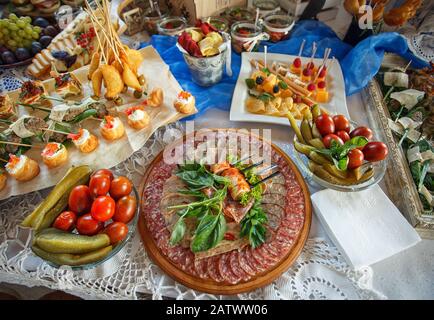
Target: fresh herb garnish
pixel 338 153
pixel 250 83
pixel 265 97
pixel 252 225
pixel 283 85
pixel 266 71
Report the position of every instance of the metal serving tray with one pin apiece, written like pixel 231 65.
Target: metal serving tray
pixel 399 183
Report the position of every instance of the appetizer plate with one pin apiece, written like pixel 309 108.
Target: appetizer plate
pixel 287 233
pixel 108 153
pixel 335 84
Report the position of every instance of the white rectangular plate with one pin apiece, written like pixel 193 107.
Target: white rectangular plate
pixel 335 84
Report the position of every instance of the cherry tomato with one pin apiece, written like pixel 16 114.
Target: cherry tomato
pixel 341 123
pixel 99 185
pixel 125 209
pixel 120 187
pixel 80 200
pixel 325 124
pixel 103 208
pixel 355 158
pixel 375 151
pixel 88 226
pixel 106 172
pixel 328 139
pixel 362 131
pixel 343 135
pixel 116 231
pixel 65 221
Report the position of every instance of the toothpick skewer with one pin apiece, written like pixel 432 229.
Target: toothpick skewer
pixel 326 56
pixel 301 48
pixel 22 144
pixel 265 56
pixel 313 52
pixel 3 160
pixel 256 18
pixel 54 131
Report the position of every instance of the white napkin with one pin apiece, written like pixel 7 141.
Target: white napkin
pixel 366 226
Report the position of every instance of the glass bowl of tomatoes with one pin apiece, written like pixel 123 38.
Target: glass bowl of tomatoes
pixel 99 219
pixel 337 153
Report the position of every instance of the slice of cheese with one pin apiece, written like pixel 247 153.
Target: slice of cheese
pixel 19 128
pixel 413 135
pixel 408 98
pixel 413 154
pixel 427 155
pixel 407 122
pixel 58 112
pixel 425 192
pixel 396 79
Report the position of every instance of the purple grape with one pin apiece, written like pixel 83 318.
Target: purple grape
pixel 36 47
pixel 41 22
pixel 22 54
pixel 45 41
pixel 50 31
pixel 8 57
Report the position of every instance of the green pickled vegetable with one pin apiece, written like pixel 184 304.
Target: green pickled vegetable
pixel 72 259
pixel 57 241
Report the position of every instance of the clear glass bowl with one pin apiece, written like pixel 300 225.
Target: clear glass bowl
pixel 171 26
pixel 302 163
pixel 131 230
pixel 220 23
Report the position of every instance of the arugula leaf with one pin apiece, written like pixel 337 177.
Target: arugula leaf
pixel 250 83
pixel 178 231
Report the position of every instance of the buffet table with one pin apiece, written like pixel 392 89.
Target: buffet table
pixel 320 272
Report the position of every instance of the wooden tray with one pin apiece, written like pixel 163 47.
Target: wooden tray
pixel 212 287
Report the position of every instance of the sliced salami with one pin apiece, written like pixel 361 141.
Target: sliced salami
pixel 260 259
pixel 213 269
pixel 225 270
pixel 258 267
pixel 244 264
pixel 200 265
pixel 235 266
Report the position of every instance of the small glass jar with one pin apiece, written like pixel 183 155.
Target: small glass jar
pixel 236 14
pixel 266 7
pixel 151 19
pixel 242 33
pixel 171 26
pixel 278 26
pixel 220 23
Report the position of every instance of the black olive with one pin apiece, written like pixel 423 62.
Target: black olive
pixel 276 89
pixel 259 80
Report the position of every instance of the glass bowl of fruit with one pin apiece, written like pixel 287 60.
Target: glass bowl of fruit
pixel 171 26
pixel 86 219
pixel 21 38
pixel 278 26
pixel 246 36
pixel 336 153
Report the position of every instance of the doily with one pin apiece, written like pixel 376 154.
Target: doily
pixel 319 273
pixel 11 79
